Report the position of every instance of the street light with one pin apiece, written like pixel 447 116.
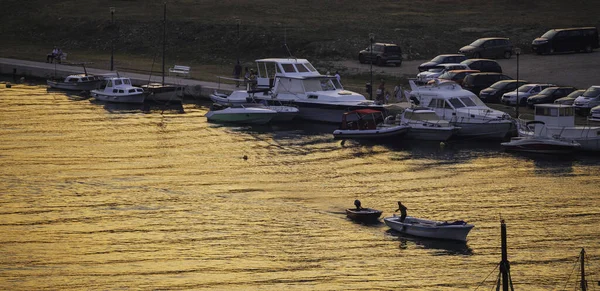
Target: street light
pixel 371 39
pixel 517 52
pixel 238 21
pixel 112 37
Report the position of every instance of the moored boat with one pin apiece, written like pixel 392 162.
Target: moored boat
pixel 318 97
pixel 77 82
pixel 450 230
pixel 426 125
pixel 240 114
pixel 367 124
pixel 119 90
pixel 463 109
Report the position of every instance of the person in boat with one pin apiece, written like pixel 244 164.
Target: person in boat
pixel 402 210
pixel 337 76
pixel 252 79
pixel 237 73
pixel 357 204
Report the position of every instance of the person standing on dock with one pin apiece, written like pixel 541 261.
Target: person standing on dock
pixel 237 73
pixel 402 210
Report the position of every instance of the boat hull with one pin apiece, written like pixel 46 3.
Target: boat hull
pixel 130 98
pixel 75 86
pixel 457 231
pixel 378 133
pixel 488 130
pixel 431 133
pixel 540 145
pixel 364 214
pixel 330 113
pixel 166 93
pixel 241 115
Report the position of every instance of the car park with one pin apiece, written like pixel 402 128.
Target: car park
pixel 493 93
pixel 483 65
pixel 524 91
pixel 594 114
pixel 569 99
pixel 488 47
pixel 382 54
pixel 548 95
pixel 456 76
pixel 590 98
pixel 479 81
pixel 575 39
pixel 442 59
pixel 424 77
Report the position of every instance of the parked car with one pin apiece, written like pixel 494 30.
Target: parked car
pixel 489 47
pixel 567 40
pixel 442 59
pixel 525 91
pixel 456 76
pixel 590 98
pixel 548 95
pixel 483 65
pixel 479 81
pixel 424 77
pixel 382 54
pixel 594 114
pixel 569 99
pixel 493 93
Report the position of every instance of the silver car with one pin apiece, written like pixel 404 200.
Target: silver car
pixel 525 91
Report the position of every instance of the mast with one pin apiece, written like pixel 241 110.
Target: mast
pixel 505 279
pixel 164 41
pixel 583 282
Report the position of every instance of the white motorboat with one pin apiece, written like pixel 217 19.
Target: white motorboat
pixel 318 97
pixel 557 121
pixel 424 124
pixel 449 230
pixel 284 112
pixel 540 143
pixel 463 109
pixel 119 90
pixel 367 124
pixel 240 114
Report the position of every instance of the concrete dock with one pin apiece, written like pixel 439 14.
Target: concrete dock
pixel 30 69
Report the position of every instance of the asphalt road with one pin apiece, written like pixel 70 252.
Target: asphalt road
pixel 580 70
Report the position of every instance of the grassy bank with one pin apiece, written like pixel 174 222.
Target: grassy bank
pixel 204 34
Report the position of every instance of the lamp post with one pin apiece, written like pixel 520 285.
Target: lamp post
pixel 517 52
pixel 112 37
pixel 371 39
pixel 238 21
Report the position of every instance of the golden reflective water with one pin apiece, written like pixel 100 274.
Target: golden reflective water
pixel 98 196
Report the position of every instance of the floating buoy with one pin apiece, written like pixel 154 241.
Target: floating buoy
pixel 245 157
pixel 8 85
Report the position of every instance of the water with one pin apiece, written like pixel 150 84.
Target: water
pixel 100 196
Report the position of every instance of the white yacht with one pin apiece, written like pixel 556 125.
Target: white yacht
pixel 462 109
pixel 558 121
pixel 119 90
pixel 425 124
pixel 318 97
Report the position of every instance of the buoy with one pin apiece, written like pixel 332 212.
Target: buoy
pixel 8 85
pixel 245 157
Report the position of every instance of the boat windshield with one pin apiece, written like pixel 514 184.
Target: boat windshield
pixel 320 84
pixel 456 103
pixel 591 92
pixel 471 101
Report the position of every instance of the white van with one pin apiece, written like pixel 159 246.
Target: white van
pixel 590 98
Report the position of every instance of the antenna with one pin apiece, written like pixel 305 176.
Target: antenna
pixel 285 43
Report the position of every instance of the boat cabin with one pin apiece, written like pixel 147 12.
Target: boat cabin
pixel 361 119
pixel 81 78
pixel 268 69
pixel 121 85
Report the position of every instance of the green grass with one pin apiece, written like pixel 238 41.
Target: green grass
pixel 204 34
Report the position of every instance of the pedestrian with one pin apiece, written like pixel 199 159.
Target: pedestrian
pixel 398 92
pixel 381 92
pixel 237 72
pixel 387 97
pixel 402 210
pixel 58 55
pixel 52 55
pixel 337 76
pixel 246 75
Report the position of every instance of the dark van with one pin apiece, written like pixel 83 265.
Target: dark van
pixel 567 40
pixel 479 81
